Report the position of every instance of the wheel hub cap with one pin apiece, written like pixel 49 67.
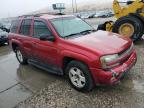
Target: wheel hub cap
pixel 19 55
pixel 77 77
pixel 126 29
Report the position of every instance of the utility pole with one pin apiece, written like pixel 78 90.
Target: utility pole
pixel 73 6
pixel 76 5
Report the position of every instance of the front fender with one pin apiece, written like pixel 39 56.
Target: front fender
pixel 88 60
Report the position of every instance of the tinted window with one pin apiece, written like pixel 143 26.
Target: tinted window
pixel 14 26
pixel 40 29
pixel 25 27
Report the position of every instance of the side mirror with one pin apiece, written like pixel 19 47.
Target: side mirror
pixel 47 38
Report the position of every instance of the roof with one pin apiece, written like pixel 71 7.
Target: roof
pixel 46 16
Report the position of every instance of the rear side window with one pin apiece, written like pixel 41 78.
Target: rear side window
pixel 25 27
pixel 14 26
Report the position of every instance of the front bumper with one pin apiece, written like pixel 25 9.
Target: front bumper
pixel 112 76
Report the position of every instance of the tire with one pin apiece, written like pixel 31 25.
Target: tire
pixel 102 27
pixel 135 23
pixel 79 76
pixel 1 44
pixel 22 60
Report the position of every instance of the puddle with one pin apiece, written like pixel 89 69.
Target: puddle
pixel 138 86
pixel 11 97
pixel 6 57
pixel 132 85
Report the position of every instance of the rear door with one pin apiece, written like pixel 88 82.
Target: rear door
pixel 25 37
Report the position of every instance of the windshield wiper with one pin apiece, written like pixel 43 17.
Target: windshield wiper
pixel 80 33
pixel 72 34
pixel 87 31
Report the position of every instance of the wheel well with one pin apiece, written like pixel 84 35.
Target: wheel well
pixel 14 45
pixel 67 60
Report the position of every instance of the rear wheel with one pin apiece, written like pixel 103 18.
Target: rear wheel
pixel 129 26
pixel 20 57
pixel 1 44
pixel 79 76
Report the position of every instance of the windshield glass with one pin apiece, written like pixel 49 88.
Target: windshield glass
pixel 70 26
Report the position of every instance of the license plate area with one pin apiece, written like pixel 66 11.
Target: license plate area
pixel 125 72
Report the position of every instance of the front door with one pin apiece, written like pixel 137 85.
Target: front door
pixel 44 52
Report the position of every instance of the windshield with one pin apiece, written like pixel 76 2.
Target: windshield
pixel 69 26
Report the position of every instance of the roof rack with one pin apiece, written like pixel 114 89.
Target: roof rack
pixel 40 14
pixel 33 15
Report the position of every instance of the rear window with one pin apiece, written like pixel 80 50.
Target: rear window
pixel 14 26
pixel 25 27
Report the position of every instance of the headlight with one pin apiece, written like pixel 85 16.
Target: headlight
pixel 106 60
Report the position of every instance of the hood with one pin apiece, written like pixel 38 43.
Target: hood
pixel 102 42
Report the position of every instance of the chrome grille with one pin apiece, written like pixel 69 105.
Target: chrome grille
pixel 127 51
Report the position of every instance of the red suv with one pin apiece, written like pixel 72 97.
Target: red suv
pixel 67 45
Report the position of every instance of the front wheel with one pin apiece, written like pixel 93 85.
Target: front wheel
pixel 20 57
pixel 79 76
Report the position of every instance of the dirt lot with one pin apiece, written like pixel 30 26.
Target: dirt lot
pixel 129 93
pixel 30 87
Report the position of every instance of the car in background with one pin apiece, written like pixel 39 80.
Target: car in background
pixel 99 14
pixel 85 16
pixel 91 15
pixel 77 15
pixel 103 14
pixel 3 37
pixel 110 14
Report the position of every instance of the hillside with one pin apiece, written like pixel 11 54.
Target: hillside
pixel 80 7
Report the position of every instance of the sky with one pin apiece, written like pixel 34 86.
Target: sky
pixel 10 8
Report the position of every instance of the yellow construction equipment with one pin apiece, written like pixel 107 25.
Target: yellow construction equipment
pixel 129 19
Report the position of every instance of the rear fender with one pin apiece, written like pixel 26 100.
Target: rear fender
pixel 19 44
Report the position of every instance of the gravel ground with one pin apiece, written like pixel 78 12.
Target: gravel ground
pixel 129 93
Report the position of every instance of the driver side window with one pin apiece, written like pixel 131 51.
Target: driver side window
pixel 40 29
